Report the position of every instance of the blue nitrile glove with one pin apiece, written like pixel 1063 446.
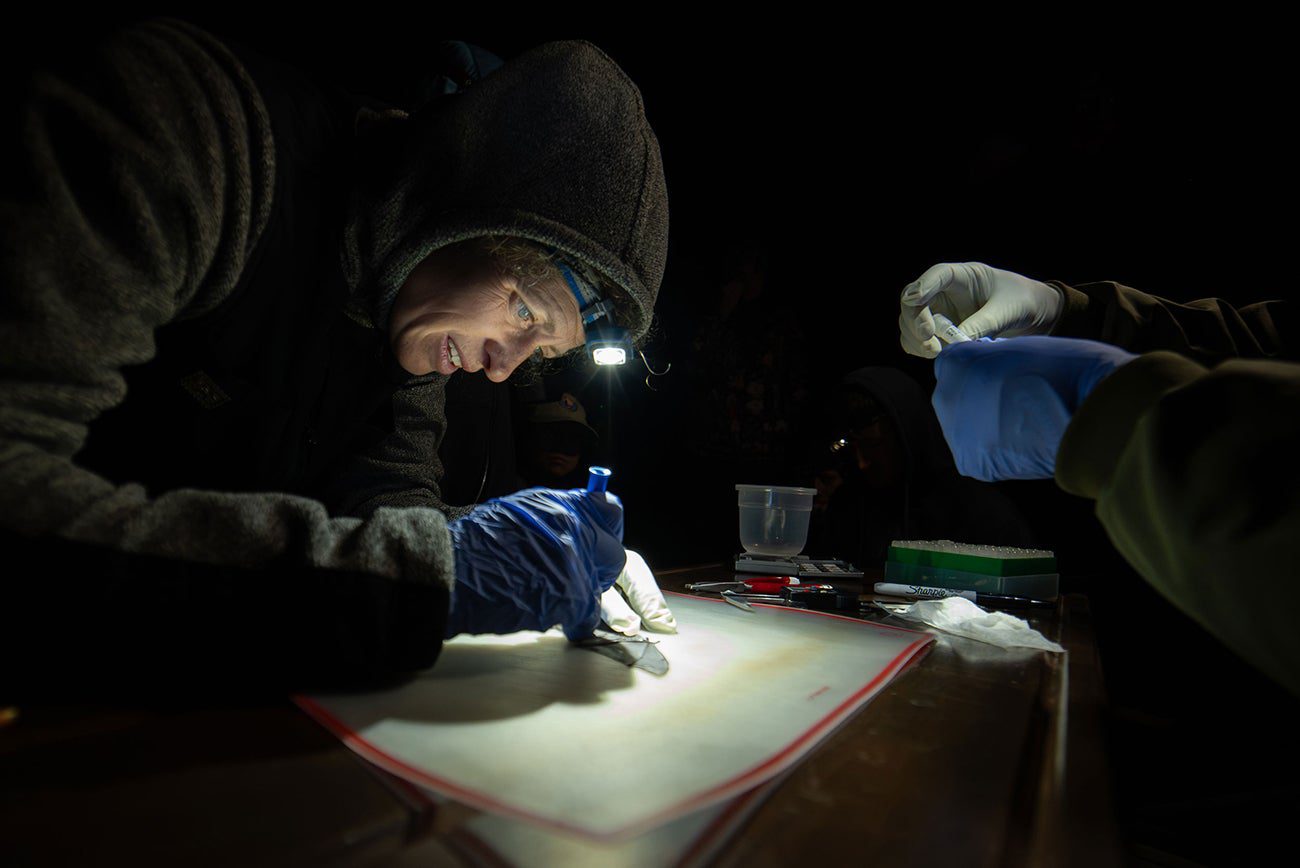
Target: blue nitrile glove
pixel 1004 404
pixel 534 559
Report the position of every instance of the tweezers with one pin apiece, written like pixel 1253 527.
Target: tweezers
pixel 736 600
pixel 713 586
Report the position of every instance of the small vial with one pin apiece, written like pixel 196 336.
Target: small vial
pixel 944 328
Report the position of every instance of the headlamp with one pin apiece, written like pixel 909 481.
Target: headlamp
pixel 607 355
pixel 607 343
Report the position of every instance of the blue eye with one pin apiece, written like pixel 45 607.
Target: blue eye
pixel 523 312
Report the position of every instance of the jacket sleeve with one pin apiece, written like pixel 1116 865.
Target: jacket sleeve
pixel 142 182
pixel 1207 330
pixel 402 470
pixel 1192 472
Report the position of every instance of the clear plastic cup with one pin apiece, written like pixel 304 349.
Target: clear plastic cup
pixel 774 518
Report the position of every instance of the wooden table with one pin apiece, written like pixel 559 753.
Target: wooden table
pixel 971 757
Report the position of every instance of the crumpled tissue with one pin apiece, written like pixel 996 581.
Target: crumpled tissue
pixel 961 617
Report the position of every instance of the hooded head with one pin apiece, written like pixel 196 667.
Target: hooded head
pixel 554 147
pixel 889 415
pixel 559 437
pixel 890 429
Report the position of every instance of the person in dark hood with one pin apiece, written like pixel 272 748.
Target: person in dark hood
pixel 232 300
pixel 558 443
pixel 897 479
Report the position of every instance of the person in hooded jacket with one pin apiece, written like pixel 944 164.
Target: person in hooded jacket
pixel 1175 418
pixel 898 477
pixel 232 301
pixel 1178 421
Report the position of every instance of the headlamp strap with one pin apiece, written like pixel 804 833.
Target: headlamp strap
pixel 591 306
pixel 604 308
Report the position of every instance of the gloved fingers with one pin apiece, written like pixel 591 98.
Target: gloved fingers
pixel 988 321
pixel 615 612
pixel 591 520
pixel 537 558
pixel 603 531
pixel 1004 405
pixel 637 582
pixel 959 390
pixel 1016 305
pixel 552 506
pixel 608 558
pixel 949 288
pixel 936 279
pixel 600 508
pixel 583 620
pixel 916 333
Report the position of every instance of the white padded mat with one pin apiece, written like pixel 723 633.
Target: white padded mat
pixel 528 726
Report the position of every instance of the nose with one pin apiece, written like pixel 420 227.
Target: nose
pixel 504 356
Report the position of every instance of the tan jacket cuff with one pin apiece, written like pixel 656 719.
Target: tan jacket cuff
pixel 1102 427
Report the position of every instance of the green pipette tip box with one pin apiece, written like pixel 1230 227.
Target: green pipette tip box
pixel 970 558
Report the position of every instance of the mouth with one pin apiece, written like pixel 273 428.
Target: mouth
pixel 449 361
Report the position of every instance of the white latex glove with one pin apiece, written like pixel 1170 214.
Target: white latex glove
pixel 982 301
pixel 636 601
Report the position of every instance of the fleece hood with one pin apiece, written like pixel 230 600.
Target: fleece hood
pixel 936 502
pixel 553 147
pixel 927 453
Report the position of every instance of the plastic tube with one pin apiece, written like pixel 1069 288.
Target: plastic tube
pixel 945 329
pixel 598 478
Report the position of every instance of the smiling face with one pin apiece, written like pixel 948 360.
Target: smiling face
pixel 459 309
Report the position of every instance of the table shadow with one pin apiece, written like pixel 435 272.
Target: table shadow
pixel 473 683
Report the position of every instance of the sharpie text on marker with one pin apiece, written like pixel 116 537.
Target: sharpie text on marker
pixel 924 593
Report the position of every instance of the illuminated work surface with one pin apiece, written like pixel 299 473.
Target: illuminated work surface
pixel 963 759
pixel 531 727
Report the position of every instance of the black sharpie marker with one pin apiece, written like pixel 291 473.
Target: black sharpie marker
pixel 920 592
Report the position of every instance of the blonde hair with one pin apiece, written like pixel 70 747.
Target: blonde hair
pixel 535 265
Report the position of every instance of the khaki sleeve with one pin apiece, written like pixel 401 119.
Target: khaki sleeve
pixel 1193 474
pixel 1207 330
pixel 143 179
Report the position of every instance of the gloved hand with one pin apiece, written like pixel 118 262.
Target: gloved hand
pixel 534 559
pixel 636 601
pixel 1004 404
pixel 982 301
